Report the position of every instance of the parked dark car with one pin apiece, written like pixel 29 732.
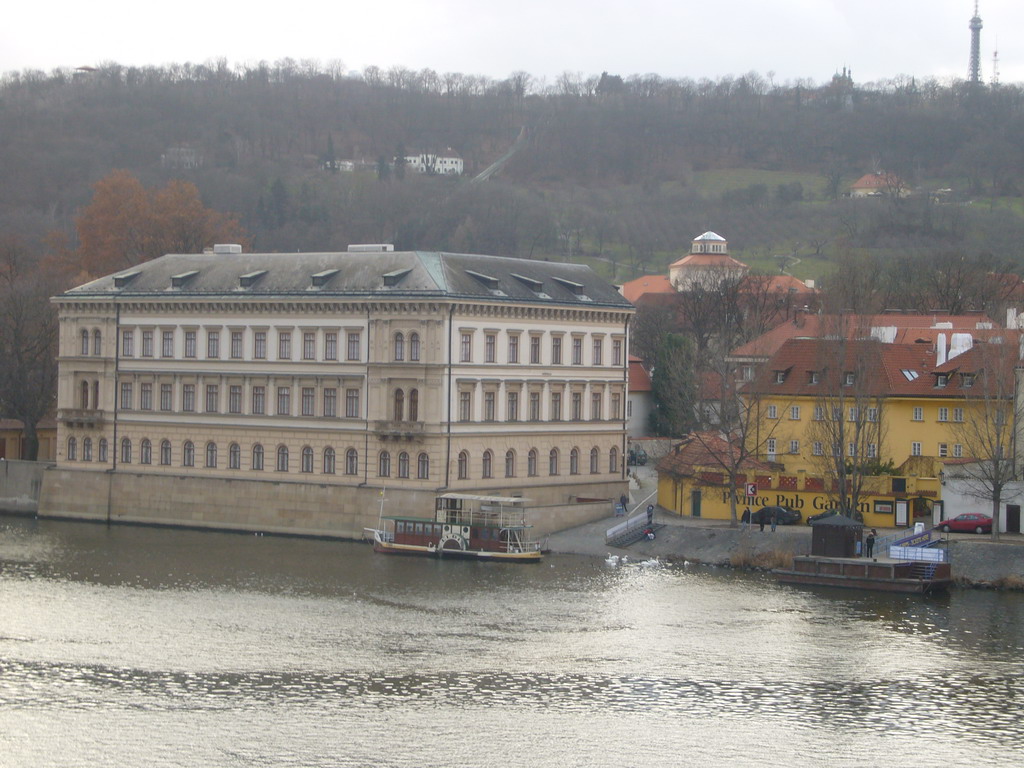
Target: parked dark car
pixel 784 516
pixel 968 522
pixel 637 456
pixel 854 515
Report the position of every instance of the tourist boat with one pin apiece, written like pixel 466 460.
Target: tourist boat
pixel 464 526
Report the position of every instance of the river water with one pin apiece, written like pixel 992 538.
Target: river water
pixel 130 646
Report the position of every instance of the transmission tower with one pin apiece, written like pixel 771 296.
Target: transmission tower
pixel 974 75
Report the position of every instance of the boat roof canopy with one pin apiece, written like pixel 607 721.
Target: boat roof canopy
pixel 484 499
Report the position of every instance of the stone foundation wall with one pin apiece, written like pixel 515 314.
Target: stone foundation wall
pixel 300 508
pixel 20 485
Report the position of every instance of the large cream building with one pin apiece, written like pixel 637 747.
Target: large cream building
pixel 302 392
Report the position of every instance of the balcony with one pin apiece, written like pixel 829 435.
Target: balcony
pixel 399 430
pixel 81 418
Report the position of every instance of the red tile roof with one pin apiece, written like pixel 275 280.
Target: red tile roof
pixel 634 289
pixel 699 451
pixel 639 380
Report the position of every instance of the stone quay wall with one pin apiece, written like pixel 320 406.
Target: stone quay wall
pixel 20 485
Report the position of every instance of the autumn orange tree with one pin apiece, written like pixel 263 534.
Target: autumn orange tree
pixel 126 223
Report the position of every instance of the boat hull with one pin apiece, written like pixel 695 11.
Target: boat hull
pixel 859 573
pixel 415 550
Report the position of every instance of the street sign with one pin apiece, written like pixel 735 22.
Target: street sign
pixel 751 489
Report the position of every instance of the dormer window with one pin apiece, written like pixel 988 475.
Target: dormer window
pixel 812 377
pixel 941 380
pixel 967 379
pixel 250 279
pixel 180 280
pixel 780 376
pixel 320 279
pixel 848 379
pixel 394 278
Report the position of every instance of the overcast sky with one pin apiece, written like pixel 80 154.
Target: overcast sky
pixel 793 39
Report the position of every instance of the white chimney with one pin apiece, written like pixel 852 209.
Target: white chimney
pixel 1011 318
pixel 940 349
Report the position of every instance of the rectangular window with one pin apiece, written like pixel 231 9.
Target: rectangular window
pixel 259 400
pixel 854 414
pixel 212 396
pixel 943 450
pixel 958 415
pixel 837 413
pixel 851 449
pixel 773 412
pixel 556 350
pixel 308 399
pixel 465 406
pixel 918 414
pixel 490 341
pixel 794 446
pixel 127 344
pixel 236 345
pixel 466 348
pixel 309 346
pixel 167 344
pixel 819 413
pixel 598 351
pixel 513 407
pixel 958 451
pixel 190 343
pixel 147 343
pixel 126 396
pixel 595 406
pixel 188 398
pixel 235 398
pixel 872 415
pixel 616 406
pixel 213 344
pixel 284 345
pixel 848 379
pixel 331 346
pixel 577 350
pixel 535 406
pixel 577 406
pixel 915 449
pixel 616 351
pixel 556 406
pixel 284 401
pixel 353 346
pixel 794 412
pixel 772 445
pixel 488 406
pixel 259 345
pixel 535 350
pixel 513 349
pixel 166 397
pixel 146 397
pixel 330 402
pixel 943 414
pixel 872 450
pixel 352 403
pixel 817 449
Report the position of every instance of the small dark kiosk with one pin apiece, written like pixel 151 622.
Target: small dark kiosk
pixel 836 536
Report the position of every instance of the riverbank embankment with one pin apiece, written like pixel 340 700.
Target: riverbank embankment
pixel 20 484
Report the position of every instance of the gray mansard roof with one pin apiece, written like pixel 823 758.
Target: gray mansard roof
pixel 405 274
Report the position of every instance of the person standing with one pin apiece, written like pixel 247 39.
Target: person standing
pixel 760 519
pixel 775 518
pixel 869 547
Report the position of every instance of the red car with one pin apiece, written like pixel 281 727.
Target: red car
pixel 968 522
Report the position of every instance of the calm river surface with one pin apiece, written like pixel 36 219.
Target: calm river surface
pixel 144 647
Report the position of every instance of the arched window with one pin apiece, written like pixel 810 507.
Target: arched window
pixel 282 458
pixel 384 464
pixel 613 460
pixel 423 467
pixel 329 461
pixel 145 452
pixel 84 401
pixel 510 463
pixel 595 460
pixel 257 456
pixel 234 456
pixel 463 465
pixel 165 453
pixel 85 342
pixel 414 347
pixel 399 404
pixel 351 462
pixel 72 449
pixel 531 462
pixel 553 462
pixel 188 454
pixel 307 460
pixel 414 405
pixel 126 451
pixel 488 456
pixel 96 342
pixel 211 455
pixel 103 450
pixel 574 461
pixel 87 449
pixel 403 464
pixel 399 347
